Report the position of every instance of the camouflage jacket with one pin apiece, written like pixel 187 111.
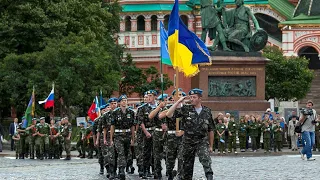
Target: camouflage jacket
pixel 67 128
pixel 142 116
pixel 232 127
pixel 122 120
pixel 266 129
pixel 43 129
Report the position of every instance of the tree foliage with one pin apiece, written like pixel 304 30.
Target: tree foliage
pixel 69 42
pixel 136 80
pixel 287 78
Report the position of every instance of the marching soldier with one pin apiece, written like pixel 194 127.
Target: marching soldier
pixel 197 127
pixel 54 142
pixel 43 131
pixel 32 137
pixel 174 139
pixel 232 127
pixel 81 140
pixel 122 133
pixel 89 140
pixel 147 127
pixel 66 134
pixel 158 135
pixel 139 139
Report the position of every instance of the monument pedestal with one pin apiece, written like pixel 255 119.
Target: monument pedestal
pixel 234 82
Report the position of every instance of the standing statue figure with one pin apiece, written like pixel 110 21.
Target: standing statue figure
pixel 211 23
pixel 239 25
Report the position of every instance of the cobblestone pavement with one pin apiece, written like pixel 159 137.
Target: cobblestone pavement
pixel 246 168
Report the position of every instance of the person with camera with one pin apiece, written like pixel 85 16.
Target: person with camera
pixel 307 120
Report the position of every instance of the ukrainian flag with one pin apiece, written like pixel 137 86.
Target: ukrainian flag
pixel 186 50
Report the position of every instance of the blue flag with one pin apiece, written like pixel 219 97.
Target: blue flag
pixel 165 58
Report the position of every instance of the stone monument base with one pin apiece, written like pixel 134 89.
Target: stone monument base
pixel 234 82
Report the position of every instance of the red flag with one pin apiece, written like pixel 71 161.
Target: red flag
pixel 92 111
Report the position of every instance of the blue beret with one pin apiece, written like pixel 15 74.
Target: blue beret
pixel 184 94
pixel 107 105
pixel 162 96
pixel 102 107
pixel 81 123
pixel 122 97
pixel 170 98
pixel 112 100
pixel 152 92
pixel 195 91
pixel 146 93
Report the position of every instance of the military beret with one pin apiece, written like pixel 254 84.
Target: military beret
pixel 170 98
pixel 122 97
pixel 112 100
pixel 107 105
pixel 42 118
pixel 102 107
pixel 162 96
pixel 152 92
pixel 174 91
pixel 81 123
pixel 195 91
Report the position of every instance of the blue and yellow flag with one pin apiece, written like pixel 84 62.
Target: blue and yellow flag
pixel 165 58
pixel 29 114
pixel 186 50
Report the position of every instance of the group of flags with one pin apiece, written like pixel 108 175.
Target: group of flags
pixel 29 113
pixel 94 110
pixel 180 47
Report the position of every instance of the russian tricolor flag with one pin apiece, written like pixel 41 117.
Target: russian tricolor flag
pixel 49 101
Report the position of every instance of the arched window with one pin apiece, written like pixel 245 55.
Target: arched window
pixel 166 21
pixel 128 23
pixel 154 23
pixel 312 54
pixel 141 23
pixel 184 19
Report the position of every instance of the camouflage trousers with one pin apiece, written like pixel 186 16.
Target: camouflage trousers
pixel 138 150
pixel 17 146
pixel 107 152
pixel 32 141
pixel 100 154
pixel 266 144
pixel 158 144
pixel 80 147
pixel 89 146
pixel 232 142
pixel 174 145
pixel 42 144
pixel 122 147
pixel 242 141
pixel 147 151
pixel 61 144
pixel 22 145
pixel 54 147
pixel 191 146
pixel 67 145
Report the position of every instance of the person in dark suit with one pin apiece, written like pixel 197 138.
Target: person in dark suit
pixel 12 130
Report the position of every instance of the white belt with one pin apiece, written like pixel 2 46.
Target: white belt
pixel 171 132
pixel 148 129
pixel 122 130
pixel 158 129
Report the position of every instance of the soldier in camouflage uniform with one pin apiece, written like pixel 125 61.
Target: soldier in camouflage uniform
pixel 43 131
pixel 174 139
pixel 159 135
pixel 89 140
pixel 122 133
pixel 232 127
pixel 32 137
pixel 242 134
pixel 22 142
pixel 16 138
pixel 139 139
pixel 53 141
pixel 66 134
pixel 147 126
pixel 197 126
pixel 60 138
pixel 266 129
pixel 80 141
pixel 277 130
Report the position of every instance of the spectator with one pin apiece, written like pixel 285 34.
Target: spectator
pixel 293 114
pixel 12 131
pixel 268 111
pixel 293 135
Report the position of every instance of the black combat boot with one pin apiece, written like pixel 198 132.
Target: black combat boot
pixel 170 175
pixel 26 155
pixel 209 176
pixel 32 156
pixel 132 170
pixel 145 172
pixel 140 171
pixel 112 172
pixel 101 169
pixel 68 158
pixel 108 170
pixel 50 156
pixel 17 155
pixel 122 174
pixel 22 156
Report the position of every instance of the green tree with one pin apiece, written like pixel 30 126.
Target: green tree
pixel 287 78
pixel 137 80
pixel 70 43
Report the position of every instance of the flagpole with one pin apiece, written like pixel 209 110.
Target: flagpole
pixel 53 102
pixel 161 72
pixel 177 97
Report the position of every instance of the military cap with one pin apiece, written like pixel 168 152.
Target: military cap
pixel 123 96
pixel 162 96
pixel 152 92
pixel 34 119
pixel 102 107
pixel 42 118
pixel 195 91
pixel 112 100
pixel 81 123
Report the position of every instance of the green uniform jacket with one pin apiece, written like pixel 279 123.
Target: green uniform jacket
pixel 254 129
pixel 243 129
pixel 232 127
pixel 220 128
pixel 277 133
pixel 266 129
pixel 43 129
